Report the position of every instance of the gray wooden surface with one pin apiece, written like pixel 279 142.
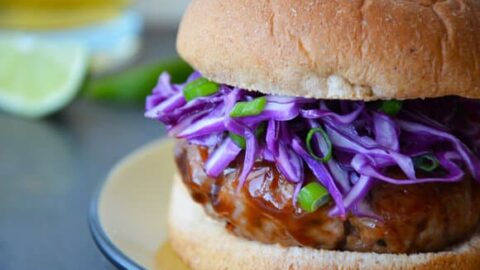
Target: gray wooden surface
pixel 50 168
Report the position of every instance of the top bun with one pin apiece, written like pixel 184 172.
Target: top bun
pixel 337 49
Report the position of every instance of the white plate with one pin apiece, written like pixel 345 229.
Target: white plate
pixel 128 214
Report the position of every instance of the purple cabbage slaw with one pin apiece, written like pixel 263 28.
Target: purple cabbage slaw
pixel 366 143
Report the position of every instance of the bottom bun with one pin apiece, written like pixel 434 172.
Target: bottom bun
pixel 204 243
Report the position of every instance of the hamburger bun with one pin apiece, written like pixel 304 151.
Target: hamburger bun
pixel 204 244
pixel 356 50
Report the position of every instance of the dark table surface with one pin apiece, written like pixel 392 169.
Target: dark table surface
pixel 50 168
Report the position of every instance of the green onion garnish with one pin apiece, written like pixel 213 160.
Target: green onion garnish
pixel 312 196
pixel 391 107
pixel 248 108
pixel 426 162
pixel 240 140
pixel 327 140
pixel 200 87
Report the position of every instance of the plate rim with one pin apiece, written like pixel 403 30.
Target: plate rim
pixel 102 241
pixel 106 246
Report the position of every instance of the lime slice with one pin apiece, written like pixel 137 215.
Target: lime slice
pixel 39 77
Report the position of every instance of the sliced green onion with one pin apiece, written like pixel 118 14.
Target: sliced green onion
pixel 249 108
pixel 260 129
pixel 426 162
pixel 312 196
pixel 327 140
pixel 391 107
pixel 200 87
pixel 240 140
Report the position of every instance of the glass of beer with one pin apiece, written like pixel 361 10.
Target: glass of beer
pixel 110 28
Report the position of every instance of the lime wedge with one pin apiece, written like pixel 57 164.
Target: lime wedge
pixel 39 77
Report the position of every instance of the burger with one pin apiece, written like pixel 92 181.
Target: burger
pixel 326 134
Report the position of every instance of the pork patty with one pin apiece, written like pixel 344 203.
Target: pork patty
pixel 416 218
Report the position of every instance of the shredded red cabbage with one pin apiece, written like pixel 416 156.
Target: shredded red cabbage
pixel 367 144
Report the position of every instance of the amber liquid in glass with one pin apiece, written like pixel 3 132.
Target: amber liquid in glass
pixel 57 14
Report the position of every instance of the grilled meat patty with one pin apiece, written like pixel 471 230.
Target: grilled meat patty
pixel 416 218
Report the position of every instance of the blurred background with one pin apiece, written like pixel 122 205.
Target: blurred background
pixel 73 77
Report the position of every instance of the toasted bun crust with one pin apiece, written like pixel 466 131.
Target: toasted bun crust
pixel 337 49
pixel 204 244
